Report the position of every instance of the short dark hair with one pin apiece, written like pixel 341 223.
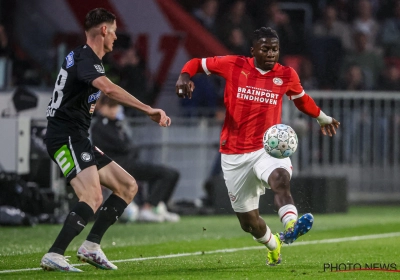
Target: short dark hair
pixel 265 32
pixel 97 16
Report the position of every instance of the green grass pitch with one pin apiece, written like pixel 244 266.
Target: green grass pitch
pixel 215 247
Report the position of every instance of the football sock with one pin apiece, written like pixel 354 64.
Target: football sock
pixel 268 240
pixel 287 213
pixel 75 222
pixel 109 213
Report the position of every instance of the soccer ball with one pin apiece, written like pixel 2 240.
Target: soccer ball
pixel 280 141
pixel 130 214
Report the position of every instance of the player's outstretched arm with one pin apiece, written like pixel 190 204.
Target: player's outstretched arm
pixel 159 116
pixel 184 86
pixel 307 105
pixel 123 97
pixel 328 125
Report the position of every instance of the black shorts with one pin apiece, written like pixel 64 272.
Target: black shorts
pixel 75 154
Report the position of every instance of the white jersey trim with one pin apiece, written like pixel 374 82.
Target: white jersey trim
pixel 262 72
pixel 78 168
pixel 204 65
pixel 293 97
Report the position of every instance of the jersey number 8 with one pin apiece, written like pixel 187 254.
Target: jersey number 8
pixel 58 94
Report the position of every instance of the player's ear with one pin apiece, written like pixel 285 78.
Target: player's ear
pixel 103 30
pixel 252 51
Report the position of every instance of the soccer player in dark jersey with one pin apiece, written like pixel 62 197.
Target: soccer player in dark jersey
pixel 253 96
pixel 79 84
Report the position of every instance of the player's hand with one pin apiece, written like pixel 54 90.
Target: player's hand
pixel 160 117
pixel 184 86
pixel 330 129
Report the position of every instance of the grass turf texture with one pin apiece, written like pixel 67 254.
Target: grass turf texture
pixel 22 248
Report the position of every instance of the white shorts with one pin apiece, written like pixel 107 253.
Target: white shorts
pixel 243 175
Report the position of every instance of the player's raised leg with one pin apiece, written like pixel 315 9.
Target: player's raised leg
pixel 124 188
pixel 279 181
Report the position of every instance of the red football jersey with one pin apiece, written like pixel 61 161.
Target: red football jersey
pixel 253 99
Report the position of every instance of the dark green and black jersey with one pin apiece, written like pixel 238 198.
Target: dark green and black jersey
pixel 74 98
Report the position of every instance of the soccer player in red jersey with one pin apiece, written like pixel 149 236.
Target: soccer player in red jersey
pixel 253 96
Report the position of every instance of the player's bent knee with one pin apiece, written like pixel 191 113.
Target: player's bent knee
pixel 279 178
pixel 280 175
pixel 247 226
pixel 131 188
pixel 94 200
pixel 248 223
pixel 98 199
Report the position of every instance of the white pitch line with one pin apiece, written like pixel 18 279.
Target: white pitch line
pixel 303 243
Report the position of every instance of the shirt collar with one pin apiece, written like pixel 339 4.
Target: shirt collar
pixel 275 68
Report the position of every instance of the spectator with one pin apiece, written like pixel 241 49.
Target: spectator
pixel 206 14
pixel 353 79
pixel 291 42
pixel 330 26
pixel 236 17
pixel 111 135
pixel 369 61
pixel 237 42
pixel 391 33
pixel 366 22
pixel 24 71
pixel 306 75
pixel 133 78
pixel 343 9
pixel 4 43
pixel 390 79
pixel 327 46
pixel 205 100
pixel 5 53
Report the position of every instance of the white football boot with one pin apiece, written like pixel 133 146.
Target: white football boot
pixel 91 253
pixel 57 262
pixel 149 216
pixel 168 216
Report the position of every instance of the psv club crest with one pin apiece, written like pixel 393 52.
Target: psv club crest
pixel 277 81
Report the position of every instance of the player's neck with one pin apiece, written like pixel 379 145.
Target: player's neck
pixel 96 44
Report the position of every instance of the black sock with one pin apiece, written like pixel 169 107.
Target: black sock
pixel 109 213
pixel 73 225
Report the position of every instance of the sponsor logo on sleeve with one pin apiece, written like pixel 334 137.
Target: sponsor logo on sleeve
pixel 70 59
pixel 99 68
pixel 94 96
pixel 92 107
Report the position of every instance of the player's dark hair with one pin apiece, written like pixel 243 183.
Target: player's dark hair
pixel 97 16
pixel 265 32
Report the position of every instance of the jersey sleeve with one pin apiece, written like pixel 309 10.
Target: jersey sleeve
pixel 219 65
pixel 88 70
pixel 295 89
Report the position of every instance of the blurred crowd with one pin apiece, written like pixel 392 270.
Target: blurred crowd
pixel 350 45
pixel 24 70
pixel 333 44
